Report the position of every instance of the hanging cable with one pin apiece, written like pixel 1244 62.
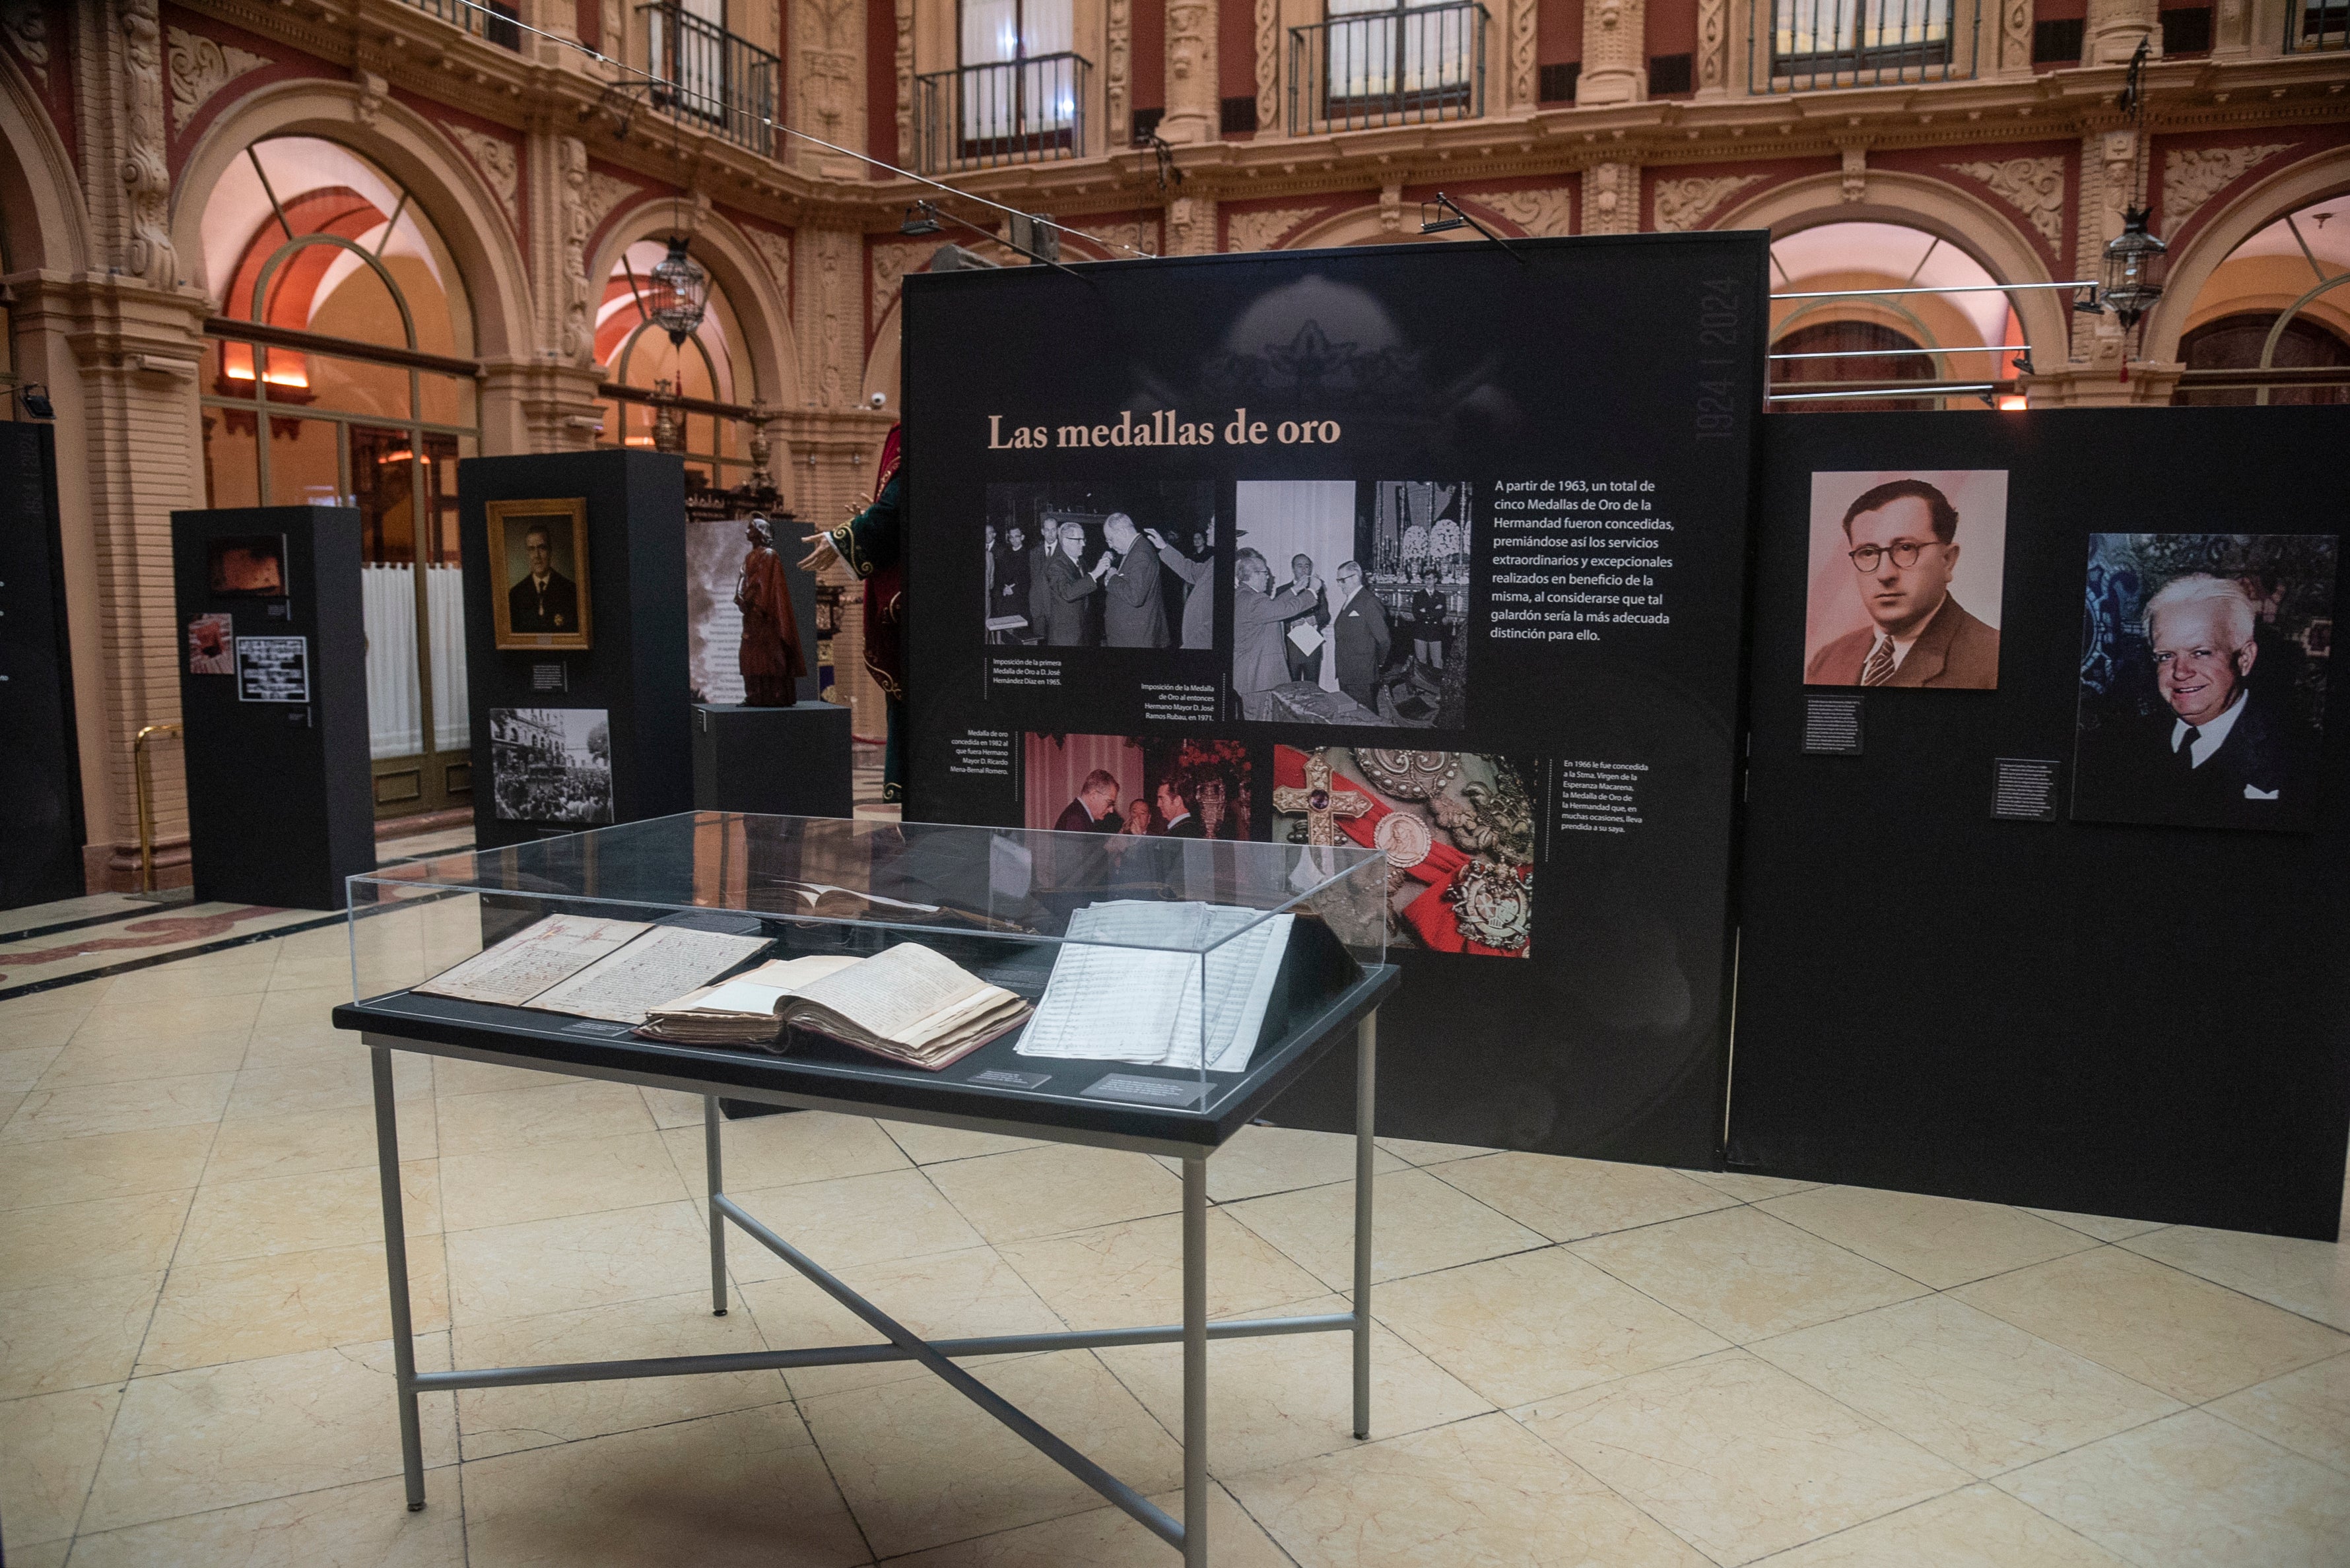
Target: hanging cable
pixel 721 106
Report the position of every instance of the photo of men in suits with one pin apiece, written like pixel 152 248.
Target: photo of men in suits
pixel 545 600
pixel 1128 787
pixel 1899 541
pixel 2203 708
pixel 1358 632
pixel 1095 809
pixel 1306 666
pixel 1114 564
pixel 1133 613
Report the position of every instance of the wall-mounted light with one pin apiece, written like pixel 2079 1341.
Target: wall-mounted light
pixel 35 398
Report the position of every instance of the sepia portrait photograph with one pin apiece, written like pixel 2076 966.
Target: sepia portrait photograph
pixel 248 566
pixel 2203 673
pixel 1349 601
pixel 1457 829
pixel 1905 580
pixel 538 554
pixel 1111 564
pixel 552 764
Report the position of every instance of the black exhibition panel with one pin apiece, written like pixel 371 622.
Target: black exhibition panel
pixel 280 805
pixel 629 684
pixel 1559 433
pixel 776 761
pixel 2053 1006
pixel 41 767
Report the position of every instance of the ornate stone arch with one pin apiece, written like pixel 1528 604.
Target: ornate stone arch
pixel 469 217
pixel 736 266
pixel 2295 186
pixel 48 228
pixel 1959 217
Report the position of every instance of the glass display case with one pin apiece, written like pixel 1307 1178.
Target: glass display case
pixel 1194 977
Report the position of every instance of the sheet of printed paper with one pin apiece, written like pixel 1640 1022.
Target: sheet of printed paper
pixel 1237 988
pixel 1306 635
pixel 758 990
pixel 1120 1004
pixel 666 961
pixel 519 968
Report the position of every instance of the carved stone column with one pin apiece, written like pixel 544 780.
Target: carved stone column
pixel 1191 226
pixel 1714 74
pixel 2114 28
pixel 1521 77
pixel 1191 102
pixel 2008 51
pixel 1270 121
pixel 547 402
pixel 1615 66
pixel 826 60
pixel 1611 198
pixel 2094 377
pixel 1117 74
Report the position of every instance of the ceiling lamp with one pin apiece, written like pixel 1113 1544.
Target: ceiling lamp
pixel 679 293
pixel 2135 261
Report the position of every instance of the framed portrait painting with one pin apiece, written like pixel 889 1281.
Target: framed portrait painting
pixel 539 555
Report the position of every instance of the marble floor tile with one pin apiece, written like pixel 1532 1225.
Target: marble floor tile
pixel 2193 1491
pixel 2192 1340
pixel 91 1062
pixel 670 1108
pixel 169 1018
pixel 1963 1384
pixel 944 1295
pixel 304 1213
pixel 927 1144
pixel 1413 1151
pixel 743 1488
pixel 110 1165
pixel 2104 1227
pixel 1937 1242
pixel 1527 1326
pixel 1107 1538
pixel 328 1083
pixel 506 1420
pixel 544 1180
pixel 1257 1160
pixel 1975 1527
pixel 302 1142
pixel 364 1525
pixel 66 1242
pixel 1419 1225
pixel 921 1466
pixel 73 1335
pixel 23 1034
pixel 49 1554
pixel 1567 1200
pixel 1056 1188
pixel 578 1260
pixel 2307 1411
pixel 23 1062
pixel 1272 1401
pixel 1744 1274
pixel 46 1114
pixel 783 1151
pixel 851 1220
pixel 245 1309
pixel 1130 1275
pixel 1483 1493
pixel 188 1442
pixel 1736 1457
pixel 1748 1189
pixel 50 1445
pixel 2312 1277
pixel 561 1111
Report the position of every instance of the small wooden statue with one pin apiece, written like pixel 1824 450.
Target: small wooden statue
pixel 770 656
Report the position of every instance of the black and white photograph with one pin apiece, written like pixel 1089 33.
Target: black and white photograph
pixel 552 764
pixel 1349 600
pixel 2203 674
pixel 1117 565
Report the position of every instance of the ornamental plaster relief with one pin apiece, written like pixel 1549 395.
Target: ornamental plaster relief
pixel 1684 205
pixel 2032 186
pixel 24 26
pixel 1536 212
pixel 1611 198
pixel 2192 176
pixel 147 254
pixel 1256 230
pixel 495 157
pixel 200 67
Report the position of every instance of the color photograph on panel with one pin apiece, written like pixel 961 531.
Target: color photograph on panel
pixel 2203 665
pixel 1906 577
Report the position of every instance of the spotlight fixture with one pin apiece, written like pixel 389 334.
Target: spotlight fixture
pixel 35 398
pixel 679 293
pixel 921 218
pixel 1460 219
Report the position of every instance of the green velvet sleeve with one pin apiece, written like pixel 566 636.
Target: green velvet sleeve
pixel 869 541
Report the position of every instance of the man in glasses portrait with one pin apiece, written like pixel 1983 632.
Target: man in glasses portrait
pixel 1901 538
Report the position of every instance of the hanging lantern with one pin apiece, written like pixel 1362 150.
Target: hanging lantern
pixel 2135 262
pixel 678 292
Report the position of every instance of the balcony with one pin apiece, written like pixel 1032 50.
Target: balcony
pixel 496 22
pixel 1030 110
pixel 1402 66
pixel 710 79
pixel 1818 44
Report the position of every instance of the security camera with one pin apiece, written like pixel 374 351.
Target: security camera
pixel 879 399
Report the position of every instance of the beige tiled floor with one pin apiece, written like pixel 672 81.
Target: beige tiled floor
pixel 1575 1362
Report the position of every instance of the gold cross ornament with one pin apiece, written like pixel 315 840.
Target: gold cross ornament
pixel 1322 804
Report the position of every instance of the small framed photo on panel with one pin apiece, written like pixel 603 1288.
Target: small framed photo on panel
pixel 538 557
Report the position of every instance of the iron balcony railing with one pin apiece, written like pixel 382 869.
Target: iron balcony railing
pixel 1801 45
pixel 1028 110
pixel 1388 67
pixel 491 19
pixel 2312 25
pixel 709 78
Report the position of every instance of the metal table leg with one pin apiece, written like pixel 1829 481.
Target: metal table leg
pixel 1366 1050
pixel 717 1222
pixel 395 1257
pixel 1195 1361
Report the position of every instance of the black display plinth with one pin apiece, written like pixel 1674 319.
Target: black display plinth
pixel 280 808
pixel 41 767
pixel 776 762
pixel 621 703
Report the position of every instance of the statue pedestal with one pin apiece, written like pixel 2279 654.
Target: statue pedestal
pixel 778 761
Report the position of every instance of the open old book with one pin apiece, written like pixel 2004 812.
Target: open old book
pixel 594 967
pixel 906 1003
